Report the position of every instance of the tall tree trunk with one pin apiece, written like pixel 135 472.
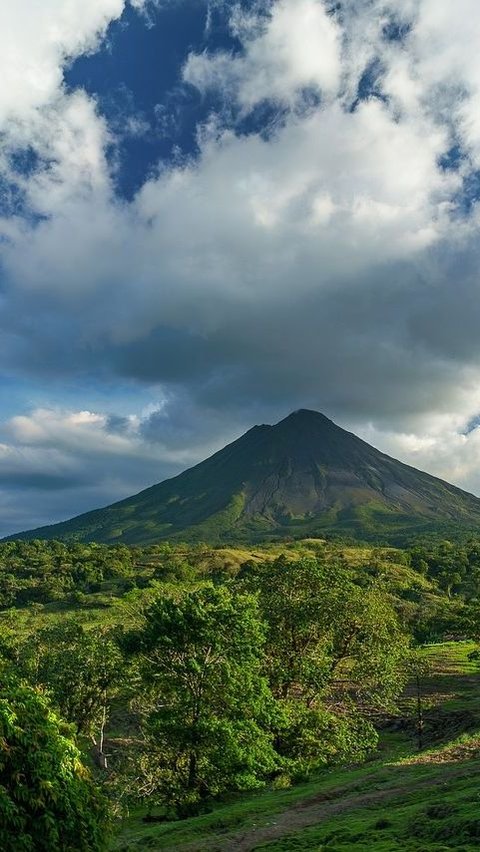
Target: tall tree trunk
pixel 419 715
pixel 100 757
pixel 192 771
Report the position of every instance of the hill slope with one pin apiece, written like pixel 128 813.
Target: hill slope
pixel 402 799
pixel 304 476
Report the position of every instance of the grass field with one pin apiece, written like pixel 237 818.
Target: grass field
pixel 402 799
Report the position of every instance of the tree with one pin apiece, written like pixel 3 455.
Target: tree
pixel 334 647
pixel 47 799
pixel 81 669
pixel 326 634
pixel 419 667
pixel 207 707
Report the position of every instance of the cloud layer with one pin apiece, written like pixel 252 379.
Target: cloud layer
pixel 326 256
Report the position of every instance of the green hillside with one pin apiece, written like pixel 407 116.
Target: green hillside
pixel 304 476
pixel 401 799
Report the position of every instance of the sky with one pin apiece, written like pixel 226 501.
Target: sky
pixel 213 213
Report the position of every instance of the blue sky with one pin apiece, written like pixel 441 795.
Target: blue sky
pixel 136 74
pixel 213 213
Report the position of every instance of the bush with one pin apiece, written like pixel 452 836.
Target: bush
pixel 48 801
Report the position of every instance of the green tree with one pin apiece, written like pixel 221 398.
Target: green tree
pixel 333 647
pixel 207 706
pixel 48 801
pixel 81 669
pixel 326 634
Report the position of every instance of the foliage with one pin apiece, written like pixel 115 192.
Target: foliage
pixel 400 800
pixel 311 638
pixel 455 566
pixel 334 648
pixel 206 705
pixel 47 799
pixel 39 572
pixel 313 736
pixel 79 667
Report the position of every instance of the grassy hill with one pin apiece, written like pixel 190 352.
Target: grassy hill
pixel 304 476
pixel 400 800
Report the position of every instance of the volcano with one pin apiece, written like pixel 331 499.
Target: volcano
pixel 303 477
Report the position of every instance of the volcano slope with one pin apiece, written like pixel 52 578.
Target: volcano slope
pixel 305 476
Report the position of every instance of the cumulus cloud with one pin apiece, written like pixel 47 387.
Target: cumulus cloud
pixel 331 262
pixel 37 39
pixel 59 131
pixel 441 447
pixel 296 47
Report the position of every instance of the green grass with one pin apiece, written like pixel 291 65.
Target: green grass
pixel 401 799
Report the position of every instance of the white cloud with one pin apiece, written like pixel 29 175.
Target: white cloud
pixel 238 225
pixel 62 130
pixel 441 448
pixel 87 434
pixel 36 39
pixel 297 47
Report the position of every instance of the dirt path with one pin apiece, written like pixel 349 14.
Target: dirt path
pixel 313 810
pixel 307 813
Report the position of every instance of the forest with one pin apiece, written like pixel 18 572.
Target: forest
pixel 154 683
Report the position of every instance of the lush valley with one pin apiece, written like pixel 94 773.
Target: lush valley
pixel 300 660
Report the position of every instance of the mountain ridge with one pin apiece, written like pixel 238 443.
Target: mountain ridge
pixel 302 476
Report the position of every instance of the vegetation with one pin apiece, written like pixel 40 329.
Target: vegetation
pixel 207 708
pixel 399 799
pixel 202 686
pixel 81 670
pixel 47 799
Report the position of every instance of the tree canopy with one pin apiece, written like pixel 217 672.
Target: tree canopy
pixel 206 706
